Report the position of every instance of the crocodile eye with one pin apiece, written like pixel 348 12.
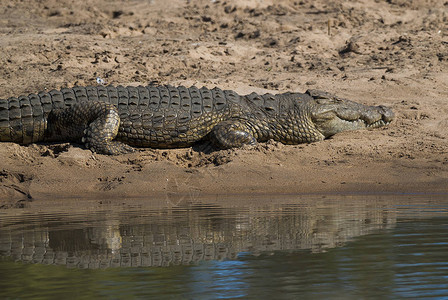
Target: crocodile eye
pixel 324 101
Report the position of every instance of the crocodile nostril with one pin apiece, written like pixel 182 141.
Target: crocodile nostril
pixel 371 116
pixel 387 113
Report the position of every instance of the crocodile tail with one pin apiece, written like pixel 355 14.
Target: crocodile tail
pixel 22 120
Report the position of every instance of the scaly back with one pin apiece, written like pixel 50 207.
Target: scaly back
pixel 23 119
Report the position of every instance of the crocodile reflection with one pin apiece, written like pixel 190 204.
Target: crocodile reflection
pixel 184 236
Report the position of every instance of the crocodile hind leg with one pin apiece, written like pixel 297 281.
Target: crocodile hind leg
pixel 93 123
pixel 232 134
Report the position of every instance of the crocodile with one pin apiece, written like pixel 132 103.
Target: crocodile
pixel 114 120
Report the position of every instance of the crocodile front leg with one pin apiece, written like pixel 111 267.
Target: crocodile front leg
pixel 232 133
pixel 93 123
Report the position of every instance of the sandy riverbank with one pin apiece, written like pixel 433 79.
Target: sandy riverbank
pixel 375 52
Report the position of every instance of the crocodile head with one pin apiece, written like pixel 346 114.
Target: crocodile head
pixel 331 114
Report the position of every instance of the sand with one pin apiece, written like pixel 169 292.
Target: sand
pixel 393 53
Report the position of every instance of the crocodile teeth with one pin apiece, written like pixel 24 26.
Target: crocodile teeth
pixel 354 122
pixel 376 124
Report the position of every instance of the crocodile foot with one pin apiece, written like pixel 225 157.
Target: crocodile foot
pixel 93 123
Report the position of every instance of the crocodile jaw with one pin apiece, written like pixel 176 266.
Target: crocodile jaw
pixel 336 125
pixel 345 115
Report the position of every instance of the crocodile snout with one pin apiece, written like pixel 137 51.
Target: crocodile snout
pixel 387 113
pixel 377 116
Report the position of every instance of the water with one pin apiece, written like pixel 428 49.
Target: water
pixel 355 247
